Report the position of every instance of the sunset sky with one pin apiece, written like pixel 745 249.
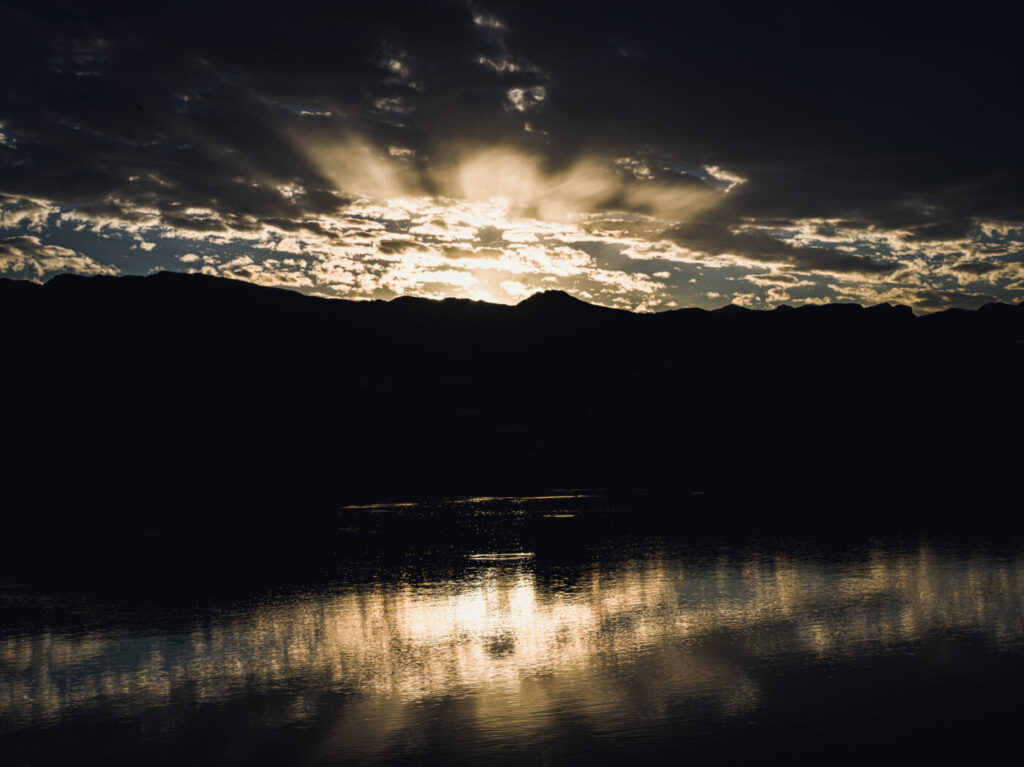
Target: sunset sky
pixel 644 155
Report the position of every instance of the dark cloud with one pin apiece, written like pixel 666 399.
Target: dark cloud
pixel 198 105
pixel 978 268
pixel 868 109
pixel 900 116
pixel 391 247
pixel 942 230
pixel 716 240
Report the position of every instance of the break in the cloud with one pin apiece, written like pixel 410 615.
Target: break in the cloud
pixel 649 157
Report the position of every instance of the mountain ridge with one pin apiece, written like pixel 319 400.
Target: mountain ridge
pixel 548 300
pixel 217 397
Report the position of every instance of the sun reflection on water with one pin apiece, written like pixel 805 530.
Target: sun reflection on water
pixel 522 643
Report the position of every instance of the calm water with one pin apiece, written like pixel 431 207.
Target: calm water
pixel 654 647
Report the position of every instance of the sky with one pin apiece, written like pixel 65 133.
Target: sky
pixel 643 155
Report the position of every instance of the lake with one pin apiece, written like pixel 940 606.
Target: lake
pixel 549 630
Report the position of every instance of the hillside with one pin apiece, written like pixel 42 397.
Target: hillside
pixel 206 397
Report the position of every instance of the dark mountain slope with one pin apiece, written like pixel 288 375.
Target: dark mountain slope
pixel 207 398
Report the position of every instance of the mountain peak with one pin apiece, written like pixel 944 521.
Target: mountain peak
pixel 733 309
pixel 553 299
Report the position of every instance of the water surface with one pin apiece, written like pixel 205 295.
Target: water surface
pixel 513 644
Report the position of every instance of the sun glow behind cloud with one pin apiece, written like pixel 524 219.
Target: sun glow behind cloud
pixel 365 200
pixel 485 223
pixel 498 223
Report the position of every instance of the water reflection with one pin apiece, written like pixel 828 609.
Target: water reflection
pixel 525 643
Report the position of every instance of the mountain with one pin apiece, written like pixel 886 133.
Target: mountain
pixel 212 399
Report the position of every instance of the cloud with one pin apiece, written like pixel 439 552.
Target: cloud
pixel 717 240
pixel 24 213
pixel 25 257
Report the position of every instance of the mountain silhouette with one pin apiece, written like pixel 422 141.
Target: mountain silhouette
pixel 212 399
pixel 558 302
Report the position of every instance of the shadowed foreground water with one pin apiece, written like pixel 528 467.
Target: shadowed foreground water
pixel 652 648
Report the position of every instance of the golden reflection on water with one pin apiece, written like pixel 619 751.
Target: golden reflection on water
pixel 521 644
